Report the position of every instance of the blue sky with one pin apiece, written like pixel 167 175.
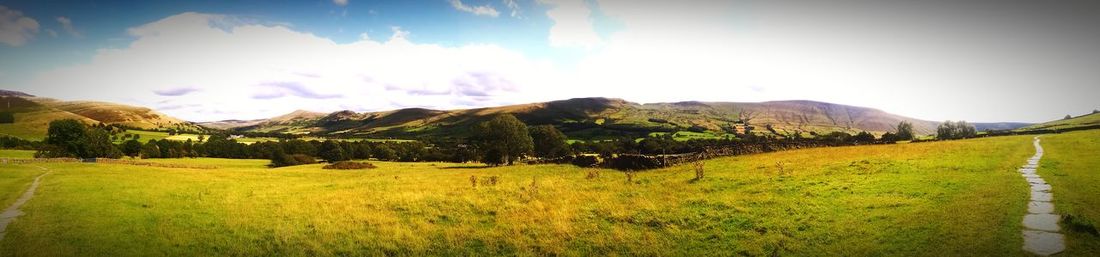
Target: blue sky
pixel 211 60
pixel 103 24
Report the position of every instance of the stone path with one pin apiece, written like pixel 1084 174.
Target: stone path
pixel 11 212
pixel 1041 228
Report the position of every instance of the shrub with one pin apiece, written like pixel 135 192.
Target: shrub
pixel 303 159
pixel 1080 225
pixel 586 161
pixel 349 165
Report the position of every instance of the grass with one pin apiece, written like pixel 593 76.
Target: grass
pixel 26 154
pixel 1079 121
pixel 928 199
pixel 14 180
pixel 1070 165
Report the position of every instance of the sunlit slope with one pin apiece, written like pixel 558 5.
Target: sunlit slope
pixel 602 116
pixel 33 115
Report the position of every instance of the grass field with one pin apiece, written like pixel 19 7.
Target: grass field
pixel 13 181
pixel 954 198
pixel 1072 166
pixel 26 154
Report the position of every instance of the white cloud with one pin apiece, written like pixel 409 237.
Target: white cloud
pixel 67 24
pixel 340 2
pixel 211 67
pixel 16 29
pixel 481 10
pixel 513 6
pixel 573 25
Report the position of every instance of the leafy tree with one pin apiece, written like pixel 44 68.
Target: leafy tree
pixel 131 148
pixel 502 140
pixel 905 131
pixel 1095 111
pixel 864 137
pixel 1067 117
pixel 549 142
pixel 889 137
pixel 7 117
pixel 955 130
pixel 67 137
pixel 383 152
pixel 98 144
pixel 150 150
pixel 279 158
pixel 331 152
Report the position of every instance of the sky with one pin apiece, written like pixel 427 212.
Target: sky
pixel 974 60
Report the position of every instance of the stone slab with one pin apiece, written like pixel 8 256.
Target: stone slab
pixel 1042 222
pixel 1044 243
pixel 1040 207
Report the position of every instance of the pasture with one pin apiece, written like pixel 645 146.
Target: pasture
pixel 926 199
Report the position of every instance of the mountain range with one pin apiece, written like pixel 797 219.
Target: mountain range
pixel 580 118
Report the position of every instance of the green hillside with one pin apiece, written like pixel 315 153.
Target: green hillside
pixel 32 115
pixel 597 118
pixel 1075 122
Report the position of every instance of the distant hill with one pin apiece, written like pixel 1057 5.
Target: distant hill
pixel 593 118
pixel 1074 122
pixel 33 114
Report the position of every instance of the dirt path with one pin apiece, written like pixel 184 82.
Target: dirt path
pixel 12 211
pixel 1041 230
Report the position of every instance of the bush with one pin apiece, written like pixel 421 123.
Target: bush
pixel 303 159
pixel 586 161
pixel 349 165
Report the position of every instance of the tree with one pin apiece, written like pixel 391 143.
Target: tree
pixel 67 137
pixel 955 130
pixel 150 150
pixel 131 148
pixel 905 131
pixel 889 137
pixel 279 158
pixel 549 142
pixel 864 137
pixel 97 144
pixel 502 140
pixel 331 152
pixel 1067 117
pixel 1095 111
pixel 383 152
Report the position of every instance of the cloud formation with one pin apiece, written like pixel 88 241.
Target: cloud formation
pixel 572 24
pixel 16 29
pixel 513 6
pixel 481 10
pixel 340 2
pixel 176 91
pixel 67 25
pixel 242 70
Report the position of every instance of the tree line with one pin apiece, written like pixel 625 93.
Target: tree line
pixel 500 140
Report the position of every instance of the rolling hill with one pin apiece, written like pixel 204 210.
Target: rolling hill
pixel 1088 120
pixel 32 115
pixel 595 118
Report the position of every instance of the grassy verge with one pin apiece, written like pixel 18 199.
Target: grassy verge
pixel 1070 164
pixel 13 181
pixel 955 198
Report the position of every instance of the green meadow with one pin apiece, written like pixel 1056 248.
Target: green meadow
pixel 953 198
